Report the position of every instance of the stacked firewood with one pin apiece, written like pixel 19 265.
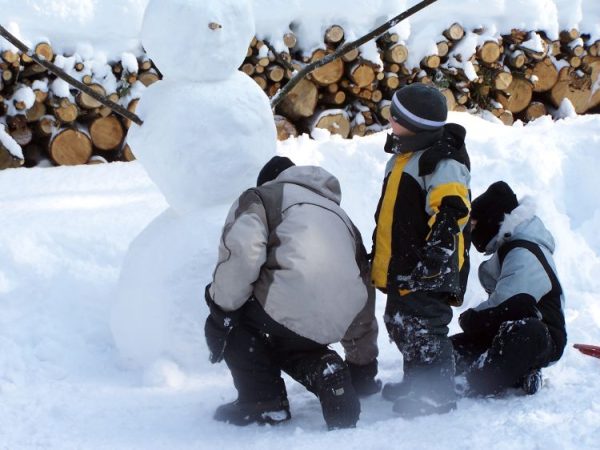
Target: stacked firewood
pixel 55 124
pixel 521 75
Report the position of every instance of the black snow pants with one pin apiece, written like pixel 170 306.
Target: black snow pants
pixel 259 348
pixel 418 324
pixel 492 366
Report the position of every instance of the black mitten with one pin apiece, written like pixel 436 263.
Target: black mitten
pixel 363 378
pixel 218 325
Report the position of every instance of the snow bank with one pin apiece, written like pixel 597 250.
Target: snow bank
pixel 66 232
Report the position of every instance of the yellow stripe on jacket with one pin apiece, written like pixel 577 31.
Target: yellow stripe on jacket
pixel 383 238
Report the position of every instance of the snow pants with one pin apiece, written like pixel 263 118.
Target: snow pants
pixel 259 348
pixel 418 324
pixel 492 366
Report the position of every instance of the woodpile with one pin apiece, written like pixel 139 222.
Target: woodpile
pixel 523 75
pixel 57 125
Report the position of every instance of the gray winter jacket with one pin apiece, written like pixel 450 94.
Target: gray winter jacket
pixel 291 246
pixel 516 280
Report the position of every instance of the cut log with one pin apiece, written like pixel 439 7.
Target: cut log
pixel 336 98
pixel 107 133
pixel 334 35
pixel 261 80
pixel 301 102
pixel 431 62
pixel 335 121
pixel 502 80
pixel 10 56
pixel 44 51
pixel 391 81
pixel 455 32
pixel 87 102
pixel 535 110
pixel 351 55
pixel 70 147
pixel 443 48
pixel 517 59
pixel 544 75
pixel 290 40
pixel 567 36
pixel 384 109
pixel 518 95
pixel 285 128
pixel 507 118
pixel 67 112
pixel 46 126
pixel 329 73
pixel 362 74
pixel 276 73
pixel 580 90
pixel 248 69
pixel 148 78
pixel 489 52
pixel 398 54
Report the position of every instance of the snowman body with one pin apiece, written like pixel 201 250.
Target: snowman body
pixel 208 129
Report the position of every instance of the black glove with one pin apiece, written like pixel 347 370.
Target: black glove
pixel 429 273
pixel 218 325
pixel 363 378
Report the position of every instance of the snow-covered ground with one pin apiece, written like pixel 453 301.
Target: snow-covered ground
pixel 65 231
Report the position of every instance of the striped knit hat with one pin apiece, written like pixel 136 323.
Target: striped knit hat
pixel 419 107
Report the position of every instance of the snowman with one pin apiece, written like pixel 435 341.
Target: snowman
pixel 208 129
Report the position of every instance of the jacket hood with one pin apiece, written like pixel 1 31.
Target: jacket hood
pixel 314 178
pixel 522 223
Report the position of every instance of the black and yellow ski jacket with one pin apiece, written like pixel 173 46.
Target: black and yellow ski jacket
pixel 425 197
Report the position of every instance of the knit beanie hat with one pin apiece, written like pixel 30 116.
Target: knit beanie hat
pixel 273 168
pixel 488 210
pixel 419 107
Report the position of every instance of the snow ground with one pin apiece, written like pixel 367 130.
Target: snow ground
pixel 65 232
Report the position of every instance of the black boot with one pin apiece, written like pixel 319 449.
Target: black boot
pixel 532 382
pixel 245 413
pixel 333 386
pixel 413 406
pixel 393 391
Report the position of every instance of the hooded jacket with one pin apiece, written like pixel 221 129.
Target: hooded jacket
pixel 425 201
pixel 519 283
pixel 289 245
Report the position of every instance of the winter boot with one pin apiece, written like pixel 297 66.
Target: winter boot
pixel 412 406
pixel 245 413
pixel 532 382
pixel 333 386
pixel 393 391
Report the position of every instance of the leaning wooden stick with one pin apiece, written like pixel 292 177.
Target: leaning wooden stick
pixel 342 50
pixel 69 79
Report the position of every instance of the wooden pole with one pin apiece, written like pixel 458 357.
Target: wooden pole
pixel 343 49
pixel 69 79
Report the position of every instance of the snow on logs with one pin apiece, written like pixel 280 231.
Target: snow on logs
pixel 521 75
pixel 55 124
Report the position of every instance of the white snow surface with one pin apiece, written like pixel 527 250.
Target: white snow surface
pixel 9 143
pixel 65 384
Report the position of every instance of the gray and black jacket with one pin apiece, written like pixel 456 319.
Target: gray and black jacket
pixel 289 245
pixel 521 280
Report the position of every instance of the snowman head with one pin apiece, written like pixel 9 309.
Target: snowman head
pixel 198 40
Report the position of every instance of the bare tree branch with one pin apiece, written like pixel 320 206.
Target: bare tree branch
pixel 342 50
pixel 69 79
